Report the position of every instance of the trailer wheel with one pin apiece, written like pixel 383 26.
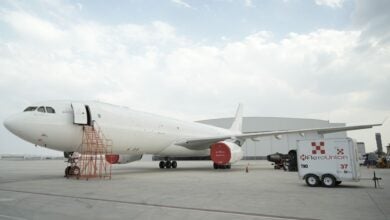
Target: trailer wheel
pixel 328 180
pixel 312 180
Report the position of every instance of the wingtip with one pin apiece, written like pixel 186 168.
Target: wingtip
pixel 384 120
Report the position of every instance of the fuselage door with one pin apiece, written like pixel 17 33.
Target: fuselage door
pixel 79 113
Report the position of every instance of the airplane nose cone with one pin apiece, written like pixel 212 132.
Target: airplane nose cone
pixel 12 124
pixel 20 126
pixel 7 124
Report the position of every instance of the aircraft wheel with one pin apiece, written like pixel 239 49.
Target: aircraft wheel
pixel 168 164
pixel 312 180
pixel 328 180
pixel 174 164
pixel 67 171
pixel 75 171
pixel 161 164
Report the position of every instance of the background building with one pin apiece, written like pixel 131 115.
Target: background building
pixel 261 147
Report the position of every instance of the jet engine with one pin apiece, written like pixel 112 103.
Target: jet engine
pixel 284 161
pixel 225 153
pixel 122 158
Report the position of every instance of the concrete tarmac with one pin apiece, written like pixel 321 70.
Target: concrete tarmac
pixel 140 190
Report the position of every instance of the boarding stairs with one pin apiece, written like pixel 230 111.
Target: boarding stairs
pixel 91 161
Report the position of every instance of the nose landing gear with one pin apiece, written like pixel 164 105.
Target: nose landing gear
pixel 72 170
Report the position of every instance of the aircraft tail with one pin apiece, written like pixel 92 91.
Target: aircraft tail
pixel 237 123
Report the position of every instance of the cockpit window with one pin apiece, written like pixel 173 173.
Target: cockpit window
pixel 50 110
pixel 30 108
pixel 41 109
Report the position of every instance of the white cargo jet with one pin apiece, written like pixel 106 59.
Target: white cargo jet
pixel 59 125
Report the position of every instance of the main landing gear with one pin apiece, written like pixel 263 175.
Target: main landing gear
pixel 167 164
pixel 221 166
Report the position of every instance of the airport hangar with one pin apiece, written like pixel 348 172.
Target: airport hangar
pixel 259 148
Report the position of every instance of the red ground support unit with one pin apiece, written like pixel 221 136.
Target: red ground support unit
pixel 220 153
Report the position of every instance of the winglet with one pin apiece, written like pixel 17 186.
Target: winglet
pixel 385 120
pixel 237 123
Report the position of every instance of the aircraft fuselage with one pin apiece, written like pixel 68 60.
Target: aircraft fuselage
pixel 131 132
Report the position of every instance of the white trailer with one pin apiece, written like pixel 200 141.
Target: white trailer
pixel 328 161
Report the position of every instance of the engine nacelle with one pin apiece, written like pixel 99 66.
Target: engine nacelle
pixel 122 158
pixel 277 157
pixel 223 153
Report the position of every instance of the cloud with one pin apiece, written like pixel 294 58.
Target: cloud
pixel 374 19
pixel 248 3
pixel 330 3
pixel 323 73
pixel 32 26
pixel 181 3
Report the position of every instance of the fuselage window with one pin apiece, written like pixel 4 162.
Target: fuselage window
pixel 50 110
pixel 30 108
pixel 41 109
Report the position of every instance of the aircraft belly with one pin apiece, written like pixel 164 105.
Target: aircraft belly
pixel 175 150
pixel 62 137
pixel 136 142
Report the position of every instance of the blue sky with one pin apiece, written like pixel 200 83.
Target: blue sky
pixel 193 60
pixel 212 20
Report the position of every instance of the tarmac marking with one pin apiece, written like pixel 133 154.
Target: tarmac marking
pixel 6 199
pixel 376 204
pixel 11 217
pixel 161 206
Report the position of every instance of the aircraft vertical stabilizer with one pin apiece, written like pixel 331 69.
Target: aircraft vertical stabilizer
pixel 237 123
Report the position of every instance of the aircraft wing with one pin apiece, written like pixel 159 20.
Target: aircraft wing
pixel 203 143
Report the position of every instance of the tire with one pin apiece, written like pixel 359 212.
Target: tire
pixel 312 180
pixel 293 161
pixel 67 171
pixel 338 183
pixel 215 166
pixel 75 171
pixel 328 180
pixel 161 164
pixel 228 166
pixel 168 164
pixel 174 164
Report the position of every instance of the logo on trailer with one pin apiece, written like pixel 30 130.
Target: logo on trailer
pixel 318 153
pixel 318 148
pixel 340 151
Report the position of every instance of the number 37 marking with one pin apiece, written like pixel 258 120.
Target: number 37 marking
pixel 343 166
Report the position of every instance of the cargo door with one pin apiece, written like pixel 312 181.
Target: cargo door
pixel 343 157
pixel 354 159
pixel 80 116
